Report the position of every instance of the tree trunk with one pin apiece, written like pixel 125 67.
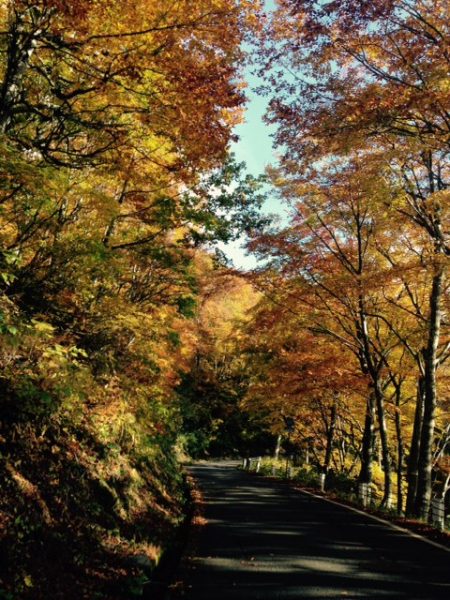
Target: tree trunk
pixel 24 34
pixel 425 463
pixel 368 442
pixel 276 453
pixel 384 441
pixel 413 459
pixel 400 454
pixel 331 430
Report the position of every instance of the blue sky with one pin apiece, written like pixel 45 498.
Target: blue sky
pixel 255 149
pixel 255 144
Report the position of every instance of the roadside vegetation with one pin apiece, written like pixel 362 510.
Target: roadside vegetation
pixel 128 344
pixel 115 124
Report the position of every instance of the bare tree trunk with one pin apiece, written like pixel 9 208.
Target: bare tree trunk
pixel 25 29
pixel 331 430
pixel 368 442
pixel 276 453
pixel 384 441
pixel 425 463
pixel 400 453
pixel 413 459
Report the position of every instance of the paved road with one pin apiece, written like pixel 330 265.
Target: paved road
pixel 264 541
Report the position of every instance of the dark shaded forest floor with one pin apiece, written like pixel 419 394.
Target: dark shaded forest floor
pixel 79 519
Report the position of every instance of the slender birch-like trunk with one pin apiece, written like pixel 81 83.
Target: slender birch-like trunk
pixel 413 458
pixel 400 452
pixel 425 462
pixel 368 442
pixel 331 431
pixel 385 455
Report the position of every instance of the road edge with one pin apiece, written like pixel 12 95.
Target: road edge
pixel 394 526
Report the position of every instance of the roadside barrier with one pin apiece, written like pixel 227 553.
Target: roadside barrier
pixel 363 493
pixel 252 464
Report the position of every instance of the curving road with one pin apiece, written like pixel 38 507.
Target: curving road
pixel 263 540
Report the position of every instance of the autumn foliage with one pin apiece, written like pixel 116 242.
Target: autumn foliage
pixel 356 310
pixel 125 343
pixel 115 121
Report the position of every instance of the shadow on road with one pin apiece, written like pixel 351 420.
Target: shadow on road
pixel 264 540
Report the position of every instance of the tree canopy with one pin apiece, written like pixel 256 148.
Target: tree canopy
pixel 127 342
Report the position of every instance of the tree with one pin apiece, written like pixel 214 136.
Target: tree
pixel 80 75
pixel 371 79
pixel 115 123
pixel 300 376
pixel 212 390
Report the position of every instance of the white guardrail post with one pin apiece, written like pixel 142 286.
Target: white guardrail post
pixel 249 463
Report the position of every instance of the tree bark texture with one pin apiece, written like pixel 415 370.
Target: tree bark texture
pixel 413 458
pixel 425 463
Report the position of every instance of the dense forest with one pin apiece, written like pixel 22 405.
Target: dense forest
pixel 357 282
pixel 127 344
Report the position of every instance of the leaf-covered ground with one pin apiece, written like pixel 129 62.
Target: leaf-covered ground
pixel 79 519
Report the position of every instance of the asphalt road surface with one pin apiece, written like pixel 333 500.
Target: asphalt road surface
pixel 264 540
